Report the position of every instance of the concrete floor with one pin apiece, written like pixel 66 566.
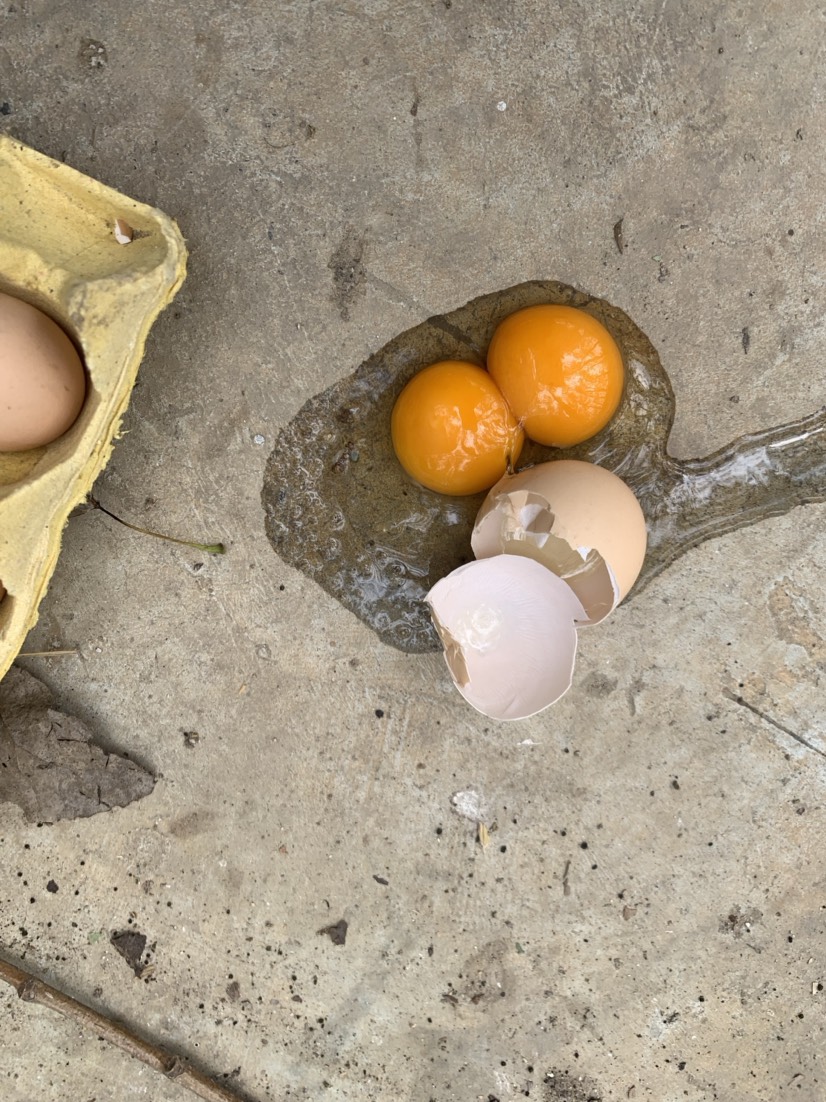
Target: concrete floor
pixel 464 145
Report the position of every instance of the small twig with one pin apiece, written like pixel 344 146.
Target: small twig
pixel 32 990
pixel 45 653
pixel 207 548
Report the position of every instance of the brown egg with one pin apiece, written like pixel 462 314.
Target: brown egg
pixel 42 380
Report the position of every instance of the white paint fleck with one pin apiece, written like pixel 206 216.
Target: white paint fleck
pixel 469 805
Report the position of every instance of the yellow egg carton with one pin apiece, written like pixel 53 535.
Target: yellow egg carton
pixel 103 266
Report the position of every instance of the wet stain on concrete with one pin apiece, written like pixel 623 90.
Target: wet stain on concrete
pixel 339 507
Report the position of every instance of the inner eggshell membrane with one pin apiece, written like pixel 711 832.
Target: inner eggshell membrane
pixel 507 625
pixel 521 523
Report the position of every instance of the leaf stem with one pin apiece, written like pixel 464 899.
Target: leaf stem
pixel 207 548
pixel 46 653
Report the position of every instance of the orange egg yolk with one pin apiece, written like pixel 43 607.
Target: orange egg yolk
pixel 560 371
pixel 452 430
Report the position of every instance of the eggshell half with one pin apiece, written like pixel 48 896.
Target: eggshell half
pixel 507 627
pixel 579 520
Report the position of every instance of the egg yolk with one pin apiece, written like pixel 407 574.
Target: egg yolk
pixel 452 430
pixel 560 371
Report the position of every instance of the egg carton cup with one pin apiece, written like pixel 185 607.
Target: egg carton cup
pixel 61 249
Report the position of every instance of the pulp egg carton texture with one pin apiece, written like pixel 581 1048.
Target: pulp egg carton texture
pixel 103 266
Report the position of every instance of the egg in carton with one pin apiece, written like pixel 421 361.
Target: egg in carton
pixel 102 266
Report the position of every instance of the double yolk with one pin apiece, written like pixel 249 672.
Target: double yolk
pixel 452 429
pixel 554 374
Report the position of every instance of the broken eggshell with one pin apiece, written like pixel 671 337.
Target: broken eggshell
pixel 508 631
pixel 579 520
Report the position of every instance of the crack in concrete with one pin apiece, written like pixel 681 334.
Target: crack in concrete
pixel 773 722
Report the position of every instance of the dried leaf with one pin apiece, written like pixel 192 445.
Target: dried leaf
pixel 130 944
pixel 49 765
pixel 337 933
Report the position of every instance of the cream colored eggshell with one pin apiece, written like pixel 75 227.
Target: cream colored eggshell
pixel 42 381
pixel 580 520
pixel 507 627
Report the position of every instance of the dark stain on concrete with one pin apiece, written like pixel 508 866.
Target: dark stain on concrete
pixel 349 273
pixel 561 1086
pixel 599 684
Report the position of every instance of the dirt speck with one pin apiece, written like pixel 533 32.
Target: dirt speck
pixel 92 54
pixel 738 920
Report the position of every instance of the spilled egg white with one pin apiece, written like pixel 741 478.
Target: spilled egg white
pixel 580 521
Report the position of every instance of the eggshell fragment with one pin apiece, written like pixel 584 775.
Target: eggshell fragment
pixel 123 232
pixel 579 520
pixel 507 627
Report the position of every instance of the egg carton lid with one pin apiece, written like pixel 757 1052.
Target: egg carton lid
pixel 103 266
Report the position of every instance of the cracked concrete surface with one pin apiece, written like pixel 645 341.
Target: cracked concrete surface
pixel 648 918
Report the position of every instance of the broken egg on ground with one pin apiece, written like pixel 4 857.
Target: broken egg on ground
pixel 578 520
pixel 507 625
